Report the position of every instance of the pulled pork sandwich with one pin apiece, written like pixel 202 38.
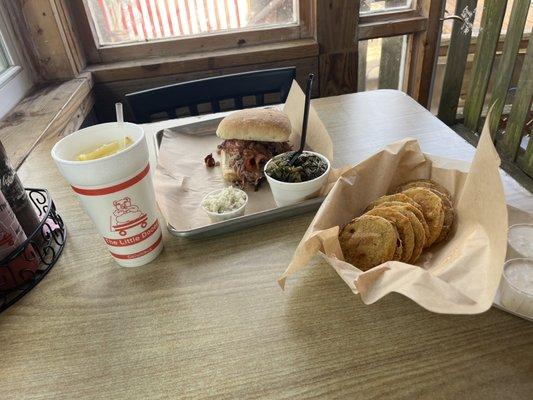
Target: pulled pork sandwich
pixel 252 137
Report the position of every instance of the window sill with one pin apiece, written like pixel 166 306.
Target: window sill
pixel 9 74
pixel 156 67
pixel 56 109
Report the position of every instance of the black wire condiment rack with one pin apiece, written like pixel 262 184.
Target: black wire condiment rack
pixel 42 248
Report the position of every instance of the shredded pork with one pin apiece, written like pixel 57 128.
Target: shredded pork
pixel 248 158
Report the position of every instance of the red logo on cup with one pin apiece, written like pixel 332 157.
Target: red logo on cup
pixel 138 238
pixel 127 216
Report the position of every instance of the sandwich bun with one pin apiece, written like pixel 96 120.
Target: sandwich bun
pixel 265 125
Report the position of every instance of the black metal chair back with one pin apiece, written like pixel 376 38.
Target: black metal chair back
pixel 189 95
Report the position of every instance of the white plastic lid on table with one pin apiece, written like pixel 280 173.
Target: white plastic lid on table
pixel 517 286
pixel 520 241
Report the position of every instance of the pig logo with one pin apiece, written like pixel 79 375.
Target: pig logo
pixel 126 216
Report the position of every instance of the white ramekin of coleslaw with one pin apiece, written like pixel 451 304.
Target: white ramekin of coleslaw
pixel 223 204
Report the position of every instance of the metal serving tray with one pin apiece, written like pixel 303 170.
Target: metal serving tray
pixel 218 228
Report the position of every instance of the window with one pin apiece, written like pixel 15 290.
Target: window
pixel 126 21
pixel 380 6
pixel 15 79
pixel 4 63
pixel 171 27
pixel 404 54
pixel 382 63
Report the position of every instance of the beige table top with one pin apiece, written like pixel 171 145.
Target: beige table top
pixel 207 318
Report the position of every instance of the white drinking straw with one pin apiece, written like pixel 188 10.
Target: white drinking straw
pixel 120 114
pixel 120 120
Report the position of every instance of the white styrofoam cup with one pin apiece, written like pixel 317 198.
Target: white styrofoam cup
pixel 116 191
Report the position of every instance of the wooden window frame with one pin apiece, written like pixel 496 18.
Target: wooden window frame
pixel 422 25
pixel 394 23
pixel 304 28
pixel 17 79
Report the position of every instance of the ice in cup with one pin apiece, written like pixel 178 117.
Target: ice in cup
pixel 115 189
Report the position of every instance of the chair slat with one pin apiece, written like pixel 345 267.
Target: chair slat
pixel 517 22
pixel 489 34
pixel 260 99
pixel 193 109
pixel 517 117
pixel 456 61
pixel 215 106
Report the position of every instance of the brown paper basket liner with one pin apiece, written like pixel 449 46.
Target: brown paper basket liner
pixel 460 276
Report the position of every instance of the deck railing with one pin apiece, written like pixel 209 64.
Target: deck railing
pixel 511 134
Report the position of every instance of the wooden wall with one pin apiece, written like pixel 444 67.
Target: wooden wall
pixel 49 37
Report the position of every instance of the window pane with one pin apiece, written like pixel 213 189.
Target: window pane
pixel 382 63
pixel 377 6
pixel 123 21
pixel 4 62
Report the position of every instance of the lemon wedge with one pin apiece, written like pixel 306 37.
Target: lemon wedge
pixel 105 150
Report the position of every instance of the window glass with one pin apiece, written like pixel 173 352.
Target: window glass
pixel 382 63
pixel 15 79
pixel 127 21
pixel 4 62
pixel 378 6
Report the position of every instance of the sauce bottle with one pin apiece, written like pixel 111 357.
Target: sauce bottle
pixel 11 233
pixel 16 196
pixel 20 269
